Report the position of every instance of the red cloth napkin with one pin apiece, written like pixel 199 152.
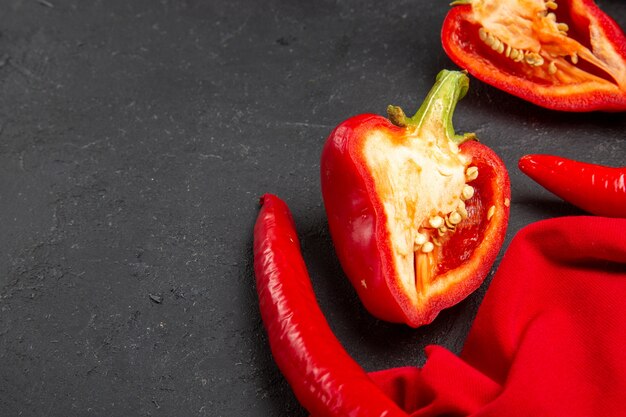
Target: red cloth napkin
pixel 549 339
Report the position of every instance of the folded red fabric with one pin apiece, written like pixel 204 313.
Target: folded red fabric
pixel 549 338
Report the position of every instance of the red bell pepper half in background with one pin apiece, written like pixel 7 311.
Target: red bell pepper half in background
pixel 597 189
pixel 560 54
pixel 417 213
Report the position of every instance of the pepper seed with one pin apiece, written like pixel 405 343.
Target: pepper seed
pixel 420 239
pixel 552 68
pixel 455 218
pixel 488 39
pixel 533 59
pixel 444 170
pixel 428 247
pixel 435 222
pixel 496 44
pixel 551 5
pixel 462 210
pixel 471 173
pixel 482 34
pixel 468 192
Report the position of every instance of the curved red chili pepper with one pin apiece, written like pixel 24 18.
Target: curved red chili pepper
pixel 324 378
pixel 598 189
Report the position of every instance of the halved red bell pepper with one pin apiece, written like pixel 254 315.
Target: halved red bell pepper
pixel 417 213
pixel 560 54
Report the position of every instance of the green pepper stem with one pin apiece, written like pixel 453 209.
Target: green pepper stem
pixel 435 114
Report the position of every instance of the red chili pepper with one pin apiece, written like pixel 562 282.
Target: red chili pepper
pixel 324 378
pixel 413 236
pixel 598 189
pixel 568 56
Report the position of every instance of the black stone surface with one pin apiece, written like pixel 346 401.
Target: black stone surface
pixel 135 140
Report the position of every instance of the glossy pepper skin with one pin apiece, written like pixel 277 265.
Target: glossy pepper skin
pixel 597 189
pixel 364 230
pixel 560 54
pixel 324 378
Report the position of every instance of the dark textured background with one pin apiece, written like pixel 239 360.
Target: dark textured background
pixel 135 140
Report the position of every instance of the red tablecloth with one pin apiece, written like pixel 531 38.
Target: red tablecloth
pixel 549 339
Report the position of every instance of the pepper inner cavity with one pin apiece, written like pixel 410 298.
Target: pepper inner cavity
pixel 416 177
pixel 528 32
pixel 433 233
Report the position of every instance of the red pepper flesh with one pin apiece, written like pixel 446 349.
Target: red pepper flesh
pixel 324 378
pixel 597 189
pixel 560 54
pixel 387 187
